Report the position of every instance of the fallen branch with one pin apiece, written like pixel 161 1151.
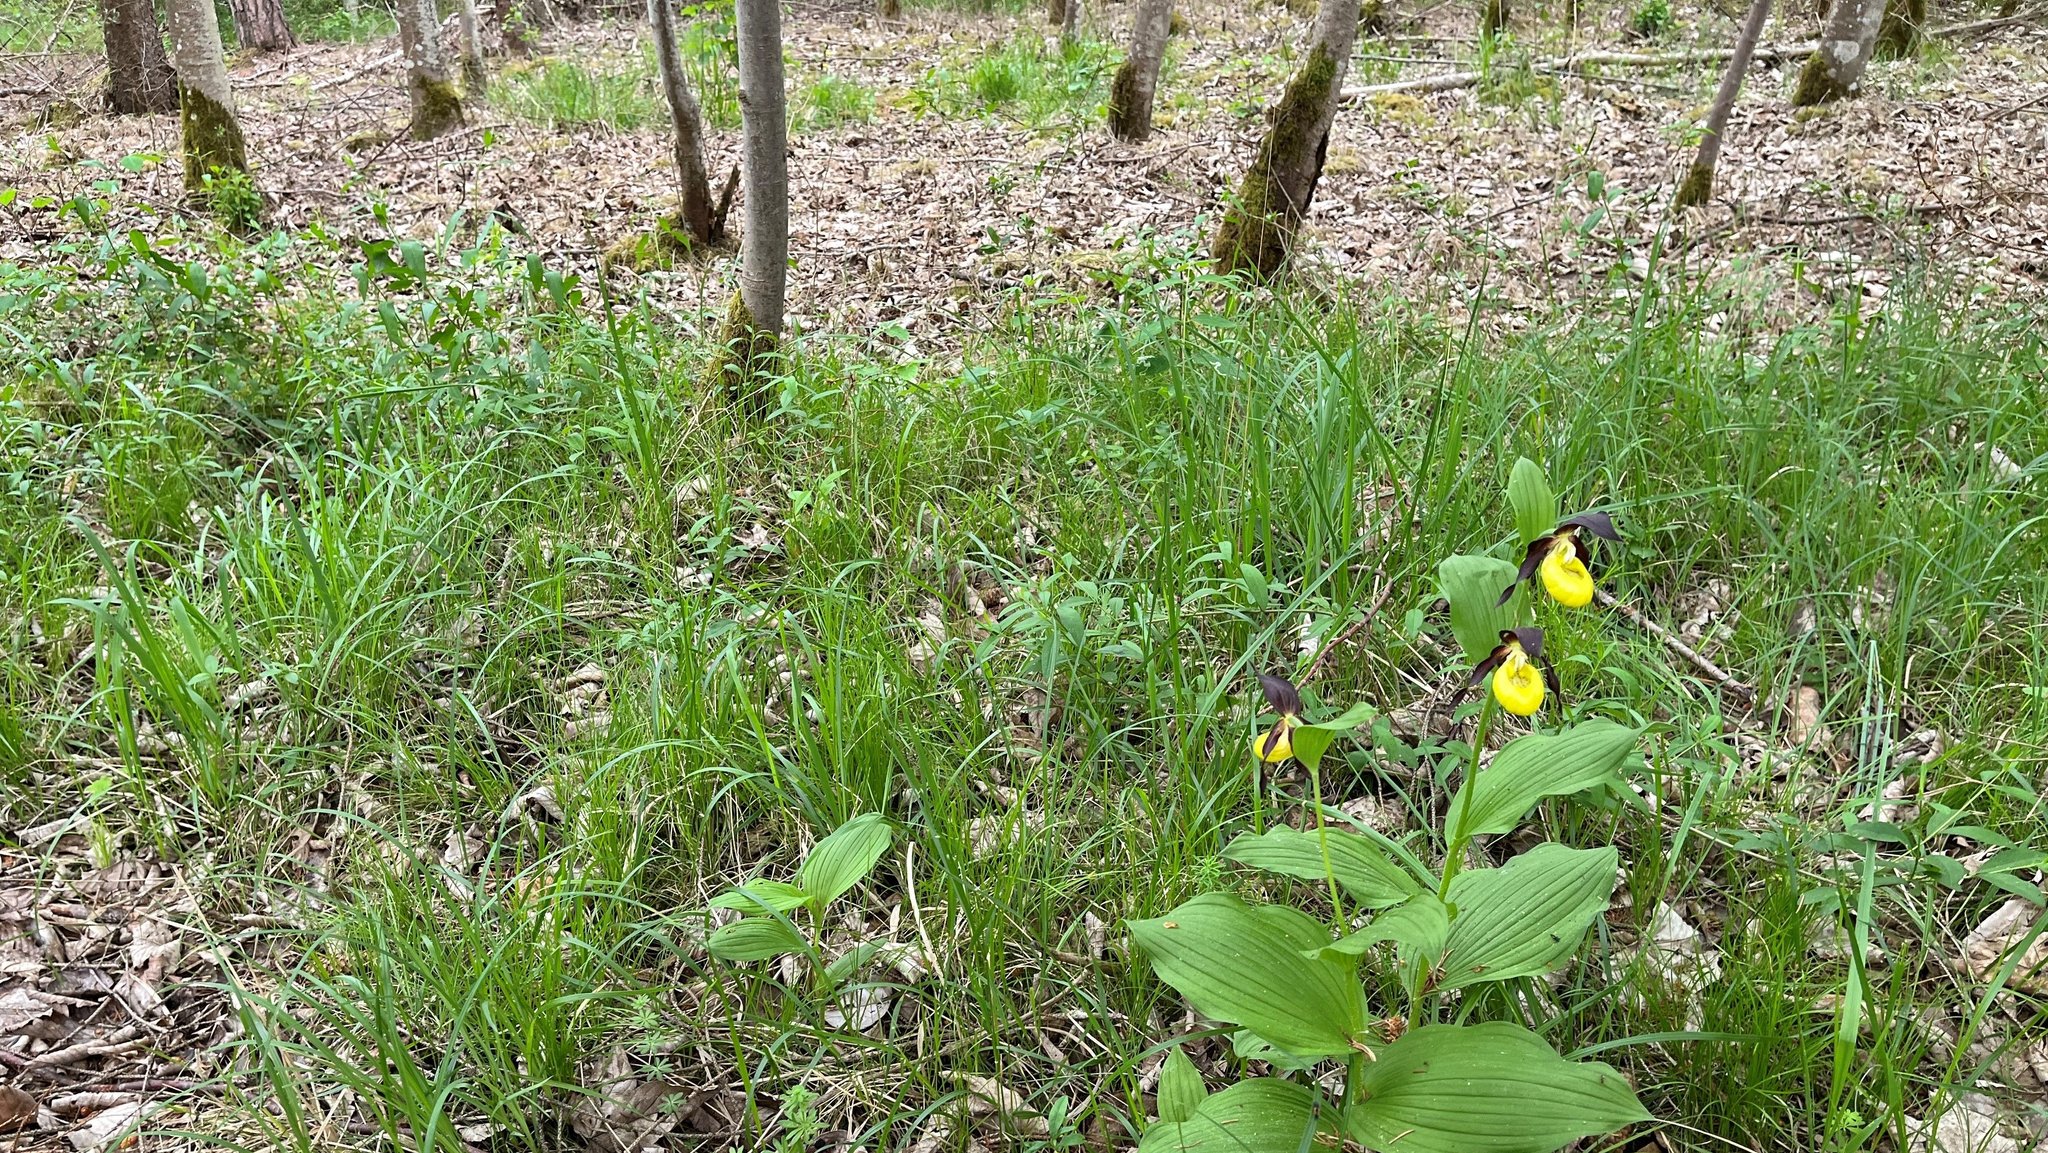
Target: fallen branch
pixel 1721 677
pixel 1449 81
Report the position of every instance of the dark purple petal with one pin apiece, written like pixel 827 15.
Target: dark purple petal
pixel 1597 523
pixel 1281 695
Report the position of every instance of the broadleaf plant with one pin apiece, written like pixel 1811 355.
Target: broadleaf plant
pixel 765 930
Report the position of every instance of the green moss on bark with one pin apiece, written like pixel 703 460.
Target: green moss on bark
pixel 1696 189
pixel 1130 118
pixel 1258 231
pixel 211 137
pixel 436 108
pixel 1493 17
pixel 745 360
pixel 1899 36
pixel 1817 83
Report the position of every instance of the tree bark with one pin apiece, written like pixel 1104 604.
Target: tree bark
pixel 1056 12
pixel 1698 186
pixel 1070 24
pixel 688 123
pixel 753 324
pixel 1258 230
pixel 1899 34
pixel 1493 17
pixel 476 80
pixel 259 24
pixel 1131 92
pixel 889 9
pixel 436 101
pixel 139 78
pixel 209 135
pixel 1835 70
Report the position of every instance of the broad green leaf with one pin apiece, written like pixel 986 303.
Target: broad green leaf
pixel 1526 916
pixel 1492 1088
pixel 762 896
pixel 838 862
pixel 1417 930
pixel 1534 504
pixel 1358 865
pixel 1312 741
pixel 1238 966
pixel 1264 1115
pixel 1537 766
pixel 1181 1091
pixel 1472 584
pixel 754 939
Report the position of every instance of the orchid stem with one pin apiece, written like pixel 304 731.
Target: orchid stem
pixel 1454 852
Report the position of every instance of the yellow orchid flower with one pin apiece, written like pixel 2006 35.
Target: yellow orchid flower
pixel 1559 560
pixel 1277 744
pixel 1521 677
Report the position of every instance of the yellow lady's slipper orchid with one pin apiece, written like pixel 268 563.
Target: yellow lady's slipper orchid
pixel 1277 744
pixel 1521 678
pixel 1560 559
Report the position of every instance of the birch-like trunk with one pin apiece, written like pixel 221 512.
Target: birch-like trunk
pixel 139 77
pixel 210 137
pixel 476 80
pixel 688 123
pixel 753 324
pixel 1131 91
pixel 259 24
pixel 1258 230
pixel 429 82
pixel 1698 187
pixel 1835 70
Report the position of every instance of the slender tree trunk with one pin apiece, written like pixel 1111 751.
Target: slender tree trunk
pixel 1070 24
pixel 139 78
pixel 1904 20
pixel 475 79
pixel 1056 12
pixel 436 102
pixel 1258 229
pixel 889 9
pixel 1835 70
pixel 259 24
pixel 209 135
pixel 1130 93
pixel 1698 187
pixel 753 324
pixel 688 123
pixel 1493 16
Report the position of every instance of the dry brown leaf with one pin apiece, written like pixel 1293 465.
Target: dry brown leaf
pixel 17 1109
pixel 1987 947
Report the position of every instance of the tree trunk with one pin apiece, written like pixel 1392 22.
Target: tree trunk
pixel 475 79
pixel 889 9
pixel 688 123
pixel 209 135
pixel 1070 24
pixel 259 24
pixel 1835 70
pixel 1493 17
pixel 1899 35
pixel 1258 229
pixel 139 78
pixel 1698 187
pixel 1130 93
pixel 753 323
pixel 436 102
pixel 1056 12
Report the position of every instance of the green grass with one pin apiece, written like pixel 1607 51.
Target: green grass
pixel 560 94
pixel 1025 80
pixel 411 513
pixel 830 101
pixel 316 20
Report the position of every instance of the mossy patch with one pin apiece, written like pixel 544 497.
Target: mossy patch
pixel 212 138
pixel 1697 188
pixel 1817 83
pixel 1130 115
pixel 436 107
pixel 1258 230
pixel 745 361
pixel 658 249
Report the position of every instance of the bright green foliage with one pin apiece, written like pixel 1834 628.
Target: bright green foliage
pixel 1525 917
pixel 1258 1115
pixel 1472 585
pixel 1530 496
pixel 835 864
pixel 1357 864
pixel 1585 756
pixel 1181 1091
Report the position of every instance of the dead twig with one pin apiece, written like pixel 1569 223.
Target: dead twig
pixel 1379 602
pixel 1722 678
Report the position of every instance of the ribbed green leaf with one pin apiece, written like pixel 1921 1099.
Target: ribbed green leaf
pixel 1359 866
pixel 1312 741
pixel 1492 1088
pixel 1181 1091
pixel 1258 1116
pixel 762 895
pixel 1537 766
pixel 1472 584
pixel 754 939
pixel 1526 916
pixel 1236 965
pixel 1534 504
pixel 838 862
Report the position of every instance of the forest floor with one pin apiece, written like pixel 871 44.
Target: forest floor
pixel 401 649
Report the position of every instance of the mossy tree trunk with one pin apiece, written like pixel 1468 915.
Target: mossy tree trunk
pixel 1899 34
pixel 1698 186
pixel 688 123
pixel 1131 91
pixel 139 77
pixel 1493 17
pixel 209 135
pixel 476 79
pixel 1835 70
pixel 260 24
pixel 436 101
pixel 1257 231
pixel 753 323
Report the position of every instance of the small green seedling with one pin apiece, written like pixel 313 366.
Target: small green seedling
pixel 766 929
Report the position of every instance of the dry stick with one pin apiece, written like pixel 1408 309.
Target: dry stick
pixel 1350 630
pixel 1450 81
pixel 1721 677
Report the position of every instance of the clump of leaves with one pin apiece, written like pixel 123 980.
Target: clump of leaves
pixel 769 910
pixel 233 199
pixel 1652 18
